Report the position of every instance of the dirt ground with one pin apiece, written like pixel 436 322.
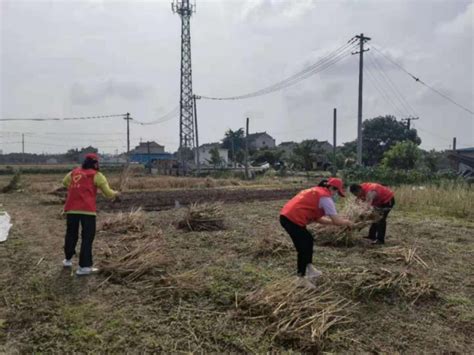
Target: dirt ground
pixel 194 305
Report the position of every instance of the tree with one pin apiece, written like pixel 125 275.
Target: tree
pixel 271 156
pixel 432 159
pixel 305 154
pixel 381 133
pixel 234 141
pixel 216 159
pixel 403 155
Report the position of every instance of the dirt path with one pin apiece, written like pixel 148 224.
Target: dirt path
pixel 166 199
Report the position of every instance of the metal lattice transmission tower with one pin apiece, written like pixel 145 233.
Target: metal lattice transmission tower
pixel 186 123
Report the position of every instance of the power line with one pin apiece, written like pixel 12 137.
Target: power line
pixel 166 117
pixel 425 84
pixel 61 118
pixel 322 64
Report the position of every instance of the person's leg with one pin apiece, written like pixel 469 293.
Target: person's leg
pixel 87 235
pixel 303 242
pixel 72 234
pixel 382 224
pixel 372 231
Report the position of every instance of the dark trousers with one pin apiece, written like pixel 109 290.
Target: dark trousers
pixel 377 230
pixel 303 242
pixel 87 237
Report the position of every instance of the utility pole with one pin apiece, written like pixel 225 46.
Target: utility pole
pixel 198 162
pixel 334 171
pixel 128 118
pixel 362 40
pixel 148 155
pixel 233 151
pixel 408 121
pixel 454 144
pixel 23 147
pixel 186 123
pixel 247 150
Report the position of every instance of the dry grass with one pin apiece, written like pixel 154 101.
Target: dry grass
pixel 203 217
pixel 451 198
pixel 129 258
pixel 272 245
pixel 14 185
pixel 379 282
pixel 408 255
pixel 299 315
pixel 125 222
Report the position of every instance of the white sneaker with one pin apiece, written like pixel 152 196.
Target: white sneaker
pixel 67 263
pixel 312 272
pixel 304 282
pixel 81 271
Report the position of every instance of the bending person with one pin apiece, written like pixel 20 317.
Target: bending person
pixel 312 205
pixel 381 198
pixel 80 209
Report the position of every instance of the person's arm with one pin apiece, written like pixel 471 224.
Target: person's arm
pixel 324 220
pixel 340 221
pixel 371 196
pixel 101 182
pixel 67 180
pixel 327 204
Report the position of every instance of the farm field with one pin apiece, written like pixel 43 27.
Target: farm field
pixel 232 290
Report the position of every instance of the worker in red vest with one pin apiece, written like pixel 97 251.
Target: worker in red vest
pixel 80 208
pixel 381 198
pixel 312 205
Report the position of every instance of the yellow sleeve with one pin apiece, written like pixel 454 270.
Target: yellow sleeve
pixel 101 182
pixel 67 180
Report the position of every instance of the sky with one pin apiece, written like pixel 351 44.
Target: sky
pixel 80 58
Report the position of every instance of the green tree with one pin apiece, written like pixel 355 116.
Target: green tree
pixel 431 159
pixel 234 141
pixel 271 156
pixel 216 159
pixel 403 155
pixel 305 154
pixel 381 133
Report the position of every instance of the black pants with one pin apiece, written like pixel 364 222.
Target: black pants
pixel 303 242
pixel 87 237
pixel 377 230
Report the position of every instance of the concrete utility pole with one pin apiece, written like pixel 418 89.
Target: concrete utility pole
pixel 334 143
pixel 408 121
pixel 128 118
pixel 247 150
pixel 362 40
pixel 454 144
pixel 149 156
pixel 198 162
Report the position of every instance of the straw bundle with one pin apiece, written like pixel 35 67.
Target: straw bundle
pixel 271 245
pixel 14 184
pixel 368 283
pixel 120 223
pixel 203 217
pixel 299 315
pixel 125 178
pixel 129 258
pixel 408 255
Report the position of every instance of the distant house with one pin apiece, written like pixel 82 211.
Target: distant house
pixel 149 153
pixel 462 161
pixel 261 140
pixel 205 155
pixel 287 148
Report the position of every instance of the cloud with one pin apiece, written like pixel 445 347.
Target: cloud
pixel 90 94
pixel 460 25
pixel 275 12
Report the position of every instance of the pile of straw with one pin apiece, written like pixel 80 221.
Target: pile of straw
pixel 407 255
pixel 203 217
pixel 380 282
pixel 14 185
pixel 130 258
pixel 125 178
pixel 271 245
pixel 122 222
pixel 299 315
pixel 360 213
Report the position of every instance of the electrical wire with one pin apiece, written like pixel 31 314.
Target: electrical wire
pixel 322 64
pixel 423 83
pixel 61 118
pixel 166 117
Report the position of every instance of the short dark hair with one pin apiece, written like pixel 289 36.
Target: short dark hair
pixel 355 189
pixel 90 164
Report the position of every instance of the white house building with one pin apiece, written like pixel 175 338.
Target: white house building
pixel 261 140
pixel 205 154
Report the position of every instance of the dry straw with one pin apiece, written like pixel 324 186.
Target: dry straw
pixel 125 222
pixel 299 315
pixel 203 217
pixel 271 245
pixel 407 255
pixel 130 258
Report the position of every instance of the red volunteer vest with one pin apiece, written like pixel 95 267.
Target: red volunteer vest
pixel 81 192
pixel 304 207
pixel 384 194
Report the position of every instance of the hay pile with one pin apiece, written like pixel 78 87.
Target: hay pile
pixel 360 213
pixel 123 222
pixel 14 185
pixel 203 217
pixel 407 255
pixel 124 179
pixel 271 245
pixel 381 282
pixel 131 258
pixel 299 315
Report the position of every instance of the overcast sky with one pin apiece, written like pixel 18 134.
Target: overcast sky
pixel 93 57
